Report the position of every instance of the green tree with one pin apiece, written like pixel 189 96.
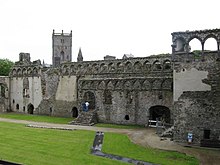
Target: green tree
pixel 5 67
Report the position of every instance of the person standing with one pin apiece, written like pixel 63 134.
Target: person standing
pixel 84 107
pixel 87 105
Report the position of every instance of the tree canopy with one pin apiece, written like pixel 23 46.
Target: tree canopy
pixel 5 67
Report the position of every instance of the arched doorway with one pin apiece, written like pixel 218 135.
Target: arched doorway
pixel 74 112
pixel 160 112
pixel 89 97
pixel 17 106
pixel 30 109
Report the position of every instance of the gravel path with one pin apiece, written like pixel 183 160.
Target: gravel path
pixel 145 137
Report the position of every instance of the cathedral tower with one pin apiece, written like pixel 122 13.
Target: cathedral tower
pixel 62 48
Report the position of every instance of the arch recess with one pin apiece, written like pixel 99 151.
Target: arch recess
pixel 137 66
pixel 211 36
pixel 30 108
pixel 157 65
pixel 167 65
pixel 74 112
pixel 195 44
pixel 194 37
pixel 161 113
pixel 90 98
pixel 211 44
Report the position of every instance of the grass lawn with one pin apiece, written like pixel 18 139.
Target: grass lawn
pixel 37 118
pixel 35 146
pixel 119 145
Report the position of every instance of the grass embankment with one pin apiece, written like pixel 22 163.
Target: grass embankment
pixel 37 118
pixel 34 146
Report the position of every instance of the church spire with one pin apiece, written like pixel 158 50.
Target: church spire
pixel 80 57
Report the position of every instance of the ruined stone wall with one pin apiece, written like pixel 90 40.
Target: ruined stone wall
pixel 66 90
pixel 59 93
pixel 124 90
pixel 49 83
pixel 197 98
pixel 120 91
pixel 4 94
pixel 25 87
pixel 132 108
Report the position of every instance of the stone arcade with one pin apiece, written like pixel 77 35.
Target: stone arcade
pixel 183 88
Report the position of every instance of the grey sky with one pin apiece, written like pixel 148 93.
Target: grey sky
pixel 100 27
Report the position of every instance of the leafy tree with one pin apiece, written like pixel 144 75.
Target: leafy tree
pixel 5 67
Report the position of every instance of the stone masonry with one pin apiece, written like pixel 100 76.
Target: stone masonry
pixel 182 88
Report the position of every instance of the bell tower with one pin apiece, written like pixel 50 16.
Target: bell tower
pixel 62 48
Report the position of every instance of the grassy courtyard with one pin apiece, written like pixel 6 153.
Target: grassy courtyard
pixel 44 146
pixel 37 118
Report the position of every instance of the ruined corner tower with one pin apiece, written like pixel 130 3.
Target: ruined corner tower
pixel 62 48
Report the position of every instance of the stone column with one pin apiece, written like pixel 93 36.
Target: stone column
pixel 203 58
pixel 218 49
pixel 186 49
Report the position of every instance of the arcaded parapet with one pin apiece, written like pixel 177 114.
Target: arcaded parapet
pixel 181 40
pixel 152 64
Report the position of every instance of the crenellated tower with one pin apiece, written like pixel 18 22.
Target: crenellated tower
pixel 62 48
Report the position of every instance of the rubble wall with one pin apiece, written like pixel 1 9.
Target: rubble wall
pixel 197 98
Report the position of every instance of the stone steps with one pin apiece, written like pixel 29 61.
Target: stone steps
pixel 86 118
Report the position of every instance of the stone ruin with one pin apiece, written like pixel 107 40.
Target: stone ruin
pixel 181 89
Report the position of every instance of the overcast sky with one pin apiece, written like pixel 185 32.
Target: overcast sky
pixel 100 27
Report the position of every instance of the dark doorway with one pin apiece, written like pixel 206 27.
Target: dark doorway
pixel 127 117
pixel 206 134
pixel 90 98
pixel 74 112
pixel 17 106
pixel 160 112
pixel 30 109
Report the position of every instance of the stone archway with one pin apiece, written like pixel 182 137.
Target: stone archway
pixel 74 112
pixel 90 98
pixel 30 108
pixel 160 112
